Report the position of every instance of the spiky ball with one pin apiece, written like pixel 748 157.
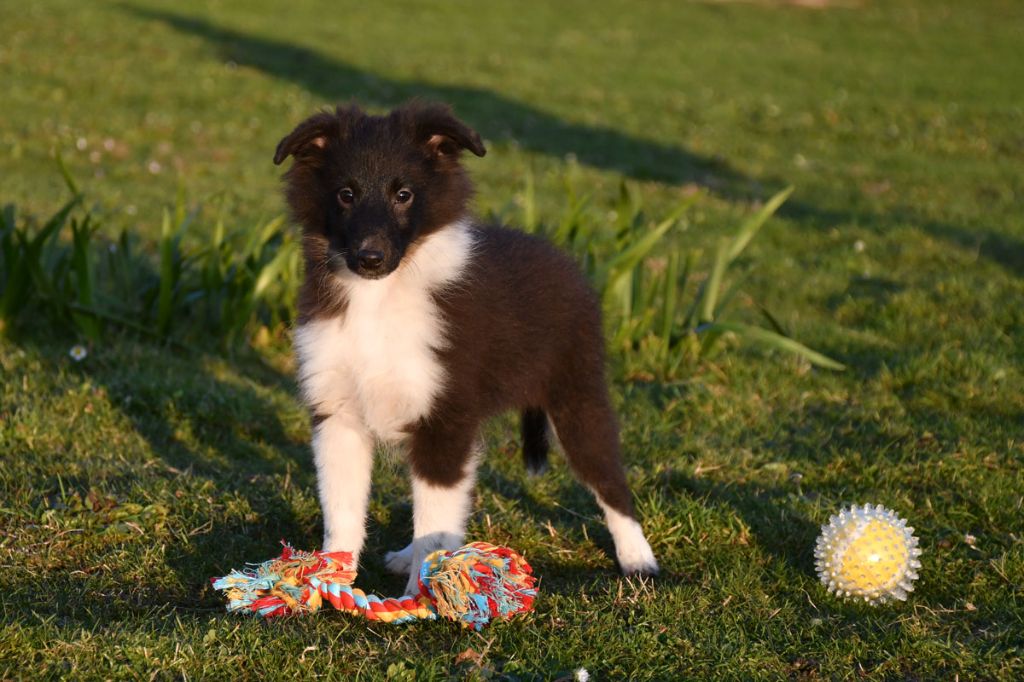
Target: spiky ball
pixel 868 553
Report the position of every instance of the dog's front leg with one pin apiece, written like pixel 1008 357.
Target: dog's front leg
pixel 443 475
pixel 343 452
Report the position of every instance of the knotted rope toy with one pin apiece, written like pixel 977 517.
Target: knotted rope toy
pixel 473 585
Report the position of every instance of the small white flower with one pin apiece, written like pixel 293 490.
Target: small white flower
pixel 81 143
pixel 581 675
pixel 78 352
pixel 859 246
pixel 970 540
pixel 154 167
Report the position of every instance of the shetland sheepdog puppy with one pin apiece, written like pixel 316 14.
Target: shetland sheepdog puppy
pixel 417 322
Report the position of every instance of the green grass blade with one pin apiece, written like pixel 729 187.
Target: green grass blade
pixel 709 335
pixel 670 298
pixel 66 174
pixel 271 272
pixel 569 227
pixel 776 341
pixel 529 203
pixel 734 288
pixel 15 291
pixel 7 218
pixel 165 298
pixel 772 321
pixel 620 269
pixel 133 325
pixel 180 204
pixel 748 230
pixel 712 287
pixel 83 268
pixel 24 260
pixel 692 256
pixel 53 225
pixel 272 229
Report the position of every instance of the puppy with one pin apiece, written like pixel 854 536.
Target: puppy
pixel 416 323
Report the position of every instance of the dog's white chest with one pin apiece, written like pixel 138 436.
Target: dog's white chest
pixel 378 361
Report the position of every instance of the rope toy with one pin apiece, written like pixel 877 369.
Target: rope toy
pixel 473 585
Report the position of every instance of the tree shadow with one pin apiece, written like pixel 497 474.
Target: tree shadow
pixel 498 117
pixel 877 290
pixel 495 116
pixel 785 535
pixel 990 244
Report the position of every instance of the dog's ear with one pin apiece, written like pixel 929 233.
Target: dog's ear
pixel 436 127
pixel 314 133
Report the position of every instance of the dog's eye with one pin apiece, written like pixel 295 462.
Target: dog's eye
pixel 403 196
pixel 346 196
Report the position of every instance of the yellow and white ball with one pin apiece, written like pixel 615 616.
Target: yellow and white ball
pixel 868 553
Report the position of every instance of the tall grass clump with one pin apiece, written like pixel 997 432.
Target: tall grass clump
pixel 197 286
pixel 213 286
pixel 664 313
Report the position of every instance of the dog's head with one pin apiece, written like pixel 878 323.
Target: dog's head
pixel 366 188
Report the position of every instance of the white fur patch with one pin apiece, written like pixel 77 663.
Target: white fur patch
pixel 377 361
pixel 631 547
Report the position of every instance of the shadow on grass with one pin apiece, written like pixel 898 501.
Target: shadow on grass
pixel 785 535
pixel 495 116
pixel 990 244
pixel 109 563
pixel 227 432
pixel 498 117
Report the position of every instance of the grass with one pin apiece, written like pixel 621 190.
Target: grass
pixel 131 477
pixel 228 290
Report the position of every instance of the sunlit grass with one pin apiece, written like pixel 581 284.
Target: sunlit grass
pixel 653 141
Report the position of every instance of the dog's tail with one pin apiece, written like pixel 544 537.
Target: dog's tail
pixel 534 429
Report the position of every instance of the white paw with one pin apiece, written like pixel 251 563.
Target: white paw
pixel 636 558
pixel 417 553
pixel 423 547
pixel 631 547
pixel 399 561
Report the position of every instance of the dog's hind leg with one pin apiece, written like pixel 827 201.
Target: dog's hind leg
pixel 587 430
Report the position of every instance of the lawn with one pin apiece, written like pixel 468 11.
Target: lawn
pixel 131 477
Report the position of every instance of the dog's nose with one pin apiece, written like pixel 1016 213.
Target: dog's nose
pixel 370 259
